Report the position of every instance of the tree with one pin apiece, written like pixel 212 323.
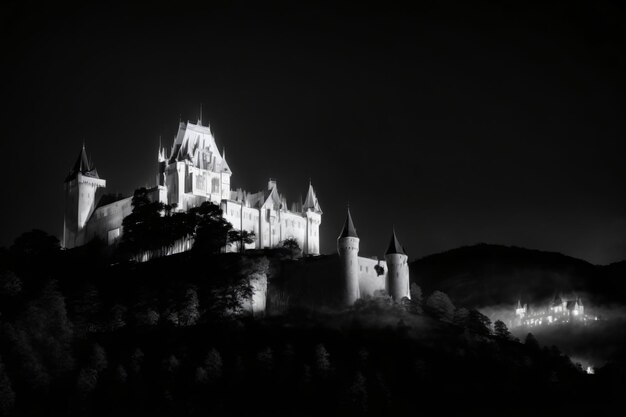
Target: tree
pixel 322 361
pixel 531 342
pixel 501 331
pixel 118 317
pixel 292 246
pixel 85 307
pixel 357 394
pixel 7 395
pixel 439 304
pixel 241 238
pixel 213 365
pixel 265 360
pixel 212 231
pixel 34 245
pixel 136 361
pixel 189 313
pixel 461 316
pixel 479 323
pixel 144 228
pixel 98 358
pixel 10 284
pixel 417 299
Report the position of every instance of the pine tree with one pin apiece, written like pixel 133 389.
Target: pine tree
pixel 417 299
pixel 189 313
pixel 213 365
pixel 439 304
pixel 7 395
pixel 322 361
pixel 501 331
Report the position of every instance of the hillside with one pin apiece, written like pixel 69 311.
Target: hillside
pixel 486 275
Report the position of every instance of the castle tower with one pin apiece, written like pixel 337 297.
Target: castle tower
pixel 519 310
pixel 398 270
pixel 348 248
pixel 313 212
pixel 80 200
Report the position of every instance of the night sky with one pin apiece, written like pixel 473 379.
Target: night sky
pixel 459 124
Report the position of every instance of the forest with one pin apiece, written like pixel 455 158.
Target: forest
pixel 88 332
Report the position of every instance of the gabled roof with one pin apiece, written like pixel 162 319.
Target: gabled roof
pixel 196 144
pixel 394 245
pixel 82 166
pixel 348 228
pixel 272 199
pixel 311 201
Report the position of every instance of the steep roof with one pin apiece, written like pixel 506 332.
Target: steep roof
pixel 196 144
pixel 82 166
pixel 348 228
pixel 394 245
pixel 311 201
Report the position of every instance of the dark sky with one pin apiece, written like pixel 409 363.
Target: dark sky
pixel 498 123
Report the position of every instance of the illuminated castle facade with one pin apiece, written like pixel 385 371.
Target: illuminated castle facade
pixel 558 312
pixel 191 172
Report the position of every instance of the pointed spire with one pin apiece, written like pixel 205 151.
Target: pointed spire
pixel 348 228
pixel 82 166
pixel 519 303
pixel 311 201
pixel 200 119
pixel 394 244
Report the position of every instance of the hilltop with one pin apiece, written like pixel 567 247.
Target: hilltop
pixel 486 275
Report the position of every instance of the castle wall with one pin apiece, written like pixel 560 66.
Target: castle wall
pixel 311 282
pixel 242 218
pixel 293 225
pixel 106 221
pixel 312 244
pixel 369 280
pixel 270 226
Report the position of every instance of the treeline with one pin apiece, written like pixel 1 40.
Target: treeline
pixel 53 302
pixel 155 227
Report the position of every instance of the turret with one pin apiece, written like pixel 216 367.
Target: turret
pixel 398 270
pixel 519 310
pixel 313 212
pixel 80 186
pixel 348 248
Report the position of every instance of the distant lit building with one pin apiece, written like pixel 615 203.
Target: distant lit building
pixel 558 312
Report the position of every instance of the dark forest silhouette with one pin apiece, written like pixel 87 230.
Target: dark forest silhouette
pixel 85 332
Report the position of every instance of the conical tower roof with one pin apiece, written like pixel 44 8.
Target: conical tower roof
pixel 394 245
pixel 82 166
pixel 311 201
pixel 348 228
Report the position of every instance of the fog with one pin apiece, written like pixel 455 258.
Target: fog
pixel 593 344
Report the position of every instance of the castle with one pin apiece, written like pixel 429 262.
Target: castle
pixel 192 172
pixel 558 312
pixel 195 171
